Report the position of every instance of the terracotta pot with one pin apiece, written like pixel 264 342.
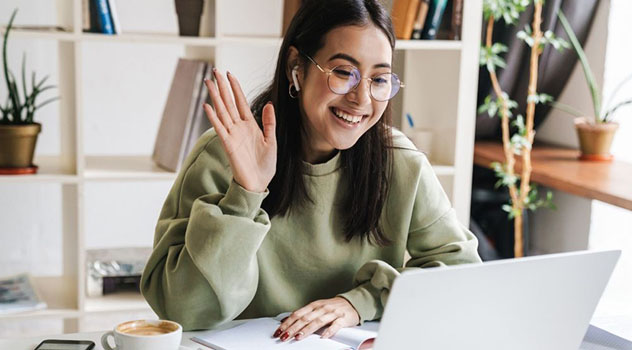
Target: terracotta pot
pixel 595 139
pixel 189 16
pixel 17 144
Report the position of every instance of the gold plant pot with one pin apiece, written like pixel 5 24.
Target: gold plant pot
pixel 17 145
pixel 595 139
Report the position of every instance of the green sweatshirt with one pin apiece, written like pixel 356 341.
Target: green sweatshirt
pixel 218 256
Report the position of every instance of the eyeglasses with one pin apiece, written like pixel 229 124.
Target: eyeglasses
pixel 344 78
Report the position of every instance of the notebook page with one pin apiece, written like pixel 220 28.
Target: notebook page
pixel 599 339
pixel 355 337
pixel 257 334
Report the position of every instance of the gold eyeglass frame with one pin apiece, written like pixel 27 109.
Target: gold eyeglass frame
pixel 330 72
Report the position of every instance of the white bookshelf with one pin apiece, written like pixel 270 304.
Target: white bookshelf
pixel 441 82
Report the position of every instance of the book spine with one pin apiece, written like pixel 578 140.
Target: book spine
pixel 435 14
pixel 403 15
pixel 94 17
pixel 85 15
pixel 457 19
pixel 103 15
pixel 290 7
pixel 418 27
pixel 114 16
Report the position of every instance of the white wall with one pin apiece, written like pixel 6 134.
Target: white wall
pixel 580 223
pixel 611 227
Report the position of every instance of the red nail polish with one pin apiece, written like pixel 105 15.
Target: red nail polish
pixel 285 336
pixel 277 333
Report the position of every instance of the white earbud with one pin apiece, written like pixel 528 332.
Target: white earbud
pixel 295 78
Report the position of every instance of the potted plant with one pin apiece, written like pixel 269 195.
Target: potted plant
pixel 523 195
pixel 595 133
pixel 18 131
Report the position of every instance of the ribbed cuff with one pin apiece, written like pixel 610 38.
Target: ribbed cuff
pixel 240 202
pixel 365 300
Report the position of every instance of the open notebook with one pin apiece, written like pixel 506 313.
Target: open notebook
pixel 257 334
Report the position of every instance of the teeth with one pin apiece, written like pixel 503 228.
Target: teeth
pixel 349 118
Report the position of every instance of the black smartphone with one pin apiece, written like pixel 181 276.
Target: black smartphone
pixel 58 344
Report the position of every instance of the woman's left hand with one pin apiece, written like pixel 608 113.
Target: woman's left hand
pixel 336 313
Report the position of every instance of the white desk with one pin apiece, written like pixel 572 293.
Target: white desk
pixel 31 343
pixel 622 326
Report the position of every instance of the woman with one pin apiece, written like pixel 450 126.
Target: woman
pixel 311 206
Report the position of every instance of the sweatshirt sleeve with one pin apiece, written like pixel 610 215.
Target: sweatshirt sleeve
pixel 435 238
pixel 203 269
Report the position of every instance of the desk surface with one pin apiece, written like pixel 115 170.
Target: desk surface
pixel 559 168
pixel 620 325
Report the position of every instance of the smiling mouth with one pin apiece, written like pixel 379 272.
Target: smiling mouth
pixel 347 118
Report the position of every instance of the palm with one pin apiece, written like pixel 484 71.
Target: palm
pixel 251 152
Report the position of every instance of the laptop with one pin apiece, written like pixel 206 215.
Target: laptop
pixel 535 303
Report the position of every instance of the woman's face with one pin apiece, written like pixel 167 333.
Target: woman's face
pixel 366 48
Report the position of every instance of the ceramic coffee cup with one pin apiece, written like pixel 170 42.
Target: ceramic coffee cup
pixel 144 335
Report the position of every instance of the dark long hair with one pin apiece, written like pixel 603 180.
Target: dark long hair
pixel 369 162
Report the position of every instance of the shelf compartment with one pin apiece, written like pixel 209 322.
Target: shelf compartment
pixel 59 295
pixel 125 301
pixel 50 170
pixel 134 168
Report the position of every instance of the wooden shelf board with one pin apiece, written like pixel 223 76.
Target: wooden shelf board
pixel 157 38
pixel 46 313
pixel 50 170
pixel 127 301
pixel 40 34
pixel 124 168
pixel 560 168
pixel 443 170
pixel 172 38
pixel 428 45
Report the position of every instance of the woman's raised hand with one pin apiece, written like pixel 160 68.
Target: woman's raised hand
pixel 252 153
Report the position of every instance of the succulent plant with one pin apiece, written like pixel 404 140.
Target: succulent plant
pixel 20 107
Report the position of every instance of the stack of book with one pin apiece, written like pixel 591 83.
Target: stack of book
pixel 183 118
pixel 17 294
pixel 100 16
pixel 427 19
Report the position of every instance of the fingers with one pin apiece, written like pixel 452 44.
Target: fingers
pixel 317 316
pixel 316 324
pixel 220 109
pixel 240 98
pixel 217 124
pixel 336 325
pixel 225 94
pixel 307 320
pixel 269 123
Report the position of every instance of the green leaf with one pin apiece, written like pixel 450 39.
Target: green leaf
pixel 566 108
pixel 507 10
pixel 592 84
pixel 24 74
pixel 490 57
pixel 46 102
pixel 606 116
pixel 539 98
